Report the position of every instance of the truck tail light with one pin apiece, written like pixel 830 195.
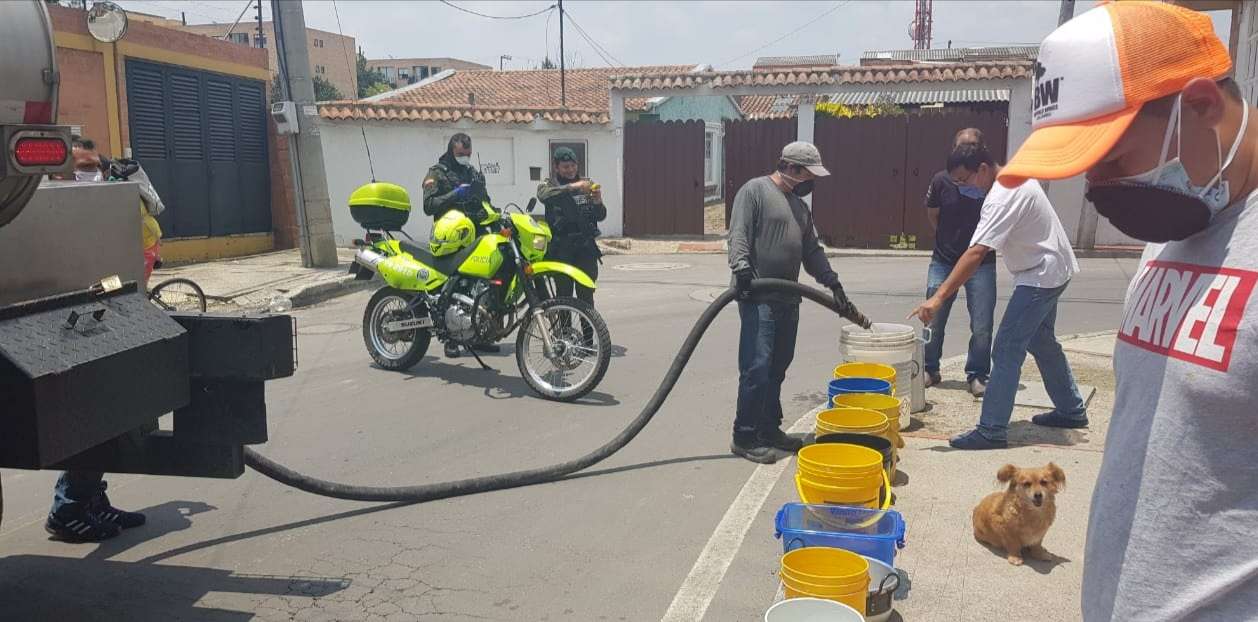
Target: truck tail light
pixel 38 151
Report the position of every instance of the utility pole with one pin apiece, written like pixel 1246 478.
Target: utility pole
pixel 563 84
pixel 314 211
pixel 259 40
pixel 502 58
pixel 1067 11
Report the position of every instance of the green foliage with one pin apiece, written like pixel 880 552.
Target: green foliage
pixel 370 81
pixel 842 111
pixel 324 91
pixel 549 64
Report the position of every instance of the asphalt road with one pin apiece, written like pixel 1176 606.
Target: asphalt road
pixel 613 544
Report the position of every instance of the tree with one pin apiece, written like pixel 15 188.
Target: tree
pixel 324 91
pixel 549 64
pixel 370 81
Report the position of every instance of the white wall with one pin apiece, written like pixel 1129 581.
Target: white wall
pixel 402 152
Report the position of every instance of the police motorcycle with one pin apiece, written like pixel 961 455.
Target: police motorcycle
pixel 465 288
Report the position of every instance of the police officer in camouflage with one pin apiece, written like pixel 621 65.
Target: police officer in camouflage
pixel 452 183
pixel 574 207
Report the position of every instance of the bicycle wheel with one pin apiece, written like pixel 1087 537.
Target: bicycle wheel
pixel 178 295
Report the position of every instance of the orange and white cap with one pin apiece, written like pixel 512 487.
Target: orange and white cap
pixel 1095 72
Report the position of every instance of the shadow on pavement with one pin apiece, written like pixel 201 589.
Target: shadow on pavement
pixel 495 384
pixel 1042 566
pixel 38 587
pixel 647 465
pixel 1023 432
pixel 162 519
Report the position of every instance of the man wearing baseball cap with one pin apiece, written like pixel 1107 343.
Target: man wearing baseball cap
pixel 771 233
pixel 1137 95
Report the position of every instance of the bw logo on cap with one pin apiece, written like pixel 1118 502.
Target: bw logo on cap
pixel 1096 71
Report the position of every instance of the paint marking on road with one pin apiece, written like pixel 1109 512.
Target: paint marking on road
pixel 697 591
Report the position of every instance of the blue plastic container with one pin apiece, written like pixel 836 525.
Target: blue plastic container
pixel 856 385
pixel 873 533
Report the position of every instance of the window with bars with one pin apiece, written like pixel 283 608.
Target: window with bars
pixel 239 37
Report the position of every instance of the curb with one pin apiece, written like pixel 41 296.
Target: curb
pixel 327 290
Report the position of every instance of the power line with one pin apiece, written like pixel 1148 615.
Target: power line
pixel 598 48
pixel 801 27
pixel 353 69
pixel 455 6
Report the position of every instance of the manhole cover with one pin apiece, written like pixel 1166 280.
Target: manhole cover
pixel 325 329
pixel 650 267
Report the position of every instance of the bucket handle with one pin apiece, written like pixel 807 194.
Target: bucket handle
pixel 927 335
pixel 882 585
pixel 790 544
pixel 917 368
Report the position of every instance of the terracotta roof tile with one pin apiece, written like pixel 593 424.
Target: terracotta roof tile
pixel 823 76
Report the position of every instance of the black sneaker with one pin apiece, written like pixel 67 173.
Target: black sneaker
pixel 74 523
pixel 105 512
pixel 452 350
pixel 780 440
pixel 757 450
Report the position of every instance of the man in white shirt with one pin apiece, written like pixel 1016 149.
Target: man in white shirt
pixel 1020 223
pixel 1143 103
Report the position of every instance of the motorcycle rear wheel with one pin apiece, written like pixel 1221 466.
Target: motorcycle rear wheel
pixel 584 345
pixel 395 351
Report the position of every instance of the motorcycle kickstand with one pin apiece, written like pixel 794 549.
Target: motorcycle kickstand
pixel 472 351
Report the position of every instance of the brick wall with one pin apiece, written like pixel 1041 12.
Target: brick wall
pixel 283 214
pixel 81 99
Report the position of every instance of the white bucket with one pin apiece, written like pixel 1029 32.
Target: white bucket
pixel 897 345
pixel 879 572
pixel 812 610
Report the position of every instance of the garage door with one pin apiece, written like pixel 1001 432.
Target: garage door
pixel 202 139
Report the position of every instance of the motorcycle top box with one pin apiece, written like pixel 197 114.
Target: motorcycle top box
pixel 380 205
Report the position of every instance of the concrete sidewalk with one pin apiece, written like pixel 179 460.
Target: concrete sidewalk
pixel 952 576
pixel 252 283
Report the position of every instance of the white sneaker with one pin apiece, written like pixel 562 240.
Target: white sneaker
pixel 978 387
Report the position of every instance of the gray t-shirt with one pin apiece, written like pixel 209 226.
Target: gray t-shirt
pixel 772 232
pixel 1173 533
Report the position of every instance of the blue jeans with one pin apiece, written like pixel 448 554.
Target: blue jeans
pixel 75 487
pixel 980 299
pixel 1028 326
pixel 766 347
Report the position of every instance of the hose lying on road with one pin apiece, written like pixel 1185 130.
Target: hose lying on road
pixel 487 483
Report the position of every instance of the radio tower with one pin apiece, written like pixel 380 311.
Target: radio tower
pixel 919 28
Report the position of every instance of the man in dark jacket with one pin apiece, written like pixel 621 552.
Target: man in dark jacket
pixel 574 207
pixel 452 183
pixel 771 234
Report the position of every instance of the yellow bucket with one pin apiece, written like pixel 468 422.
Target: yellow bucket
pixel 840 458
pixel 827 590
pixel 855 600
pixel 825 565
pixel 852 421
pixel 885 404
pixel 877 371
pixel 876 497
pixel 829 478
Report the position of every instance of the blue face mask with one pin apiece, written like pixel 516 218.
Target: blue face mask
pixel 1170 175
pixel 971 192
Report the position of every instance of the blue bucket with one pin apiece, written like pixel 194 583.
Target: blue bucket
pixel 856 385
pixel 873 533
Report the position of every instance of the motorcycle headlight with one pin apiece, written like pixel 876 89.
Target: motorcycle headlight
pixel 539 243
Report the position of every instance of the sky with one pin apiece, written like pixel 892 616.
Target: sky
pixel 728 35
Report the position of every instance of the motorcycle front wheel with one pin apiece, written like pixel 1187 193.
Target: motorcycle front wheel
pixel 579 354
pixel 393 350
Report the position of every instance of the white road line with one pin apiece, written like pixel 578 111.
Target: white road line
pixel 700 587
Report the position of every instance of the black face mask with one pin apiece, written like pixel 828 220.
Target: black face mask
pixel 1150 214
pixel 803 188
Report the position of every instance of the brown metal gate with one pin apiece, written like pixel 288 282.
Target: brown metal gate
pixel 751 150
pixel 881 170
pixel 664 178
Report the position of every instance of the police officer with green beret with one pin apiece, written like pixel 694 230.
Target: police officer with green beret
pixel 452 183
pixel 574 207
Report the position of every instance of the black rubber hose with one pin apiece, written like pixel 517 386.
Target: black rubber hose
pixel 487 483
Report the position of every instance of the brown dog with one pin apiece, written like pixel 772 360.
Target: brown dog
pixel 1018 518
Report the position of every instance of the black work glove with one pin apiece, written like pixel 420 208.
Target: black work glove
pixel 847 310
pixel 742 283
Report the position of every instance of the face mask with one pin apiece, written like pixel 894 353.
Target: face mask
pixel 88 176
pixel 463 160
pixel 1162 204
pixel 800 188
pixel 971 192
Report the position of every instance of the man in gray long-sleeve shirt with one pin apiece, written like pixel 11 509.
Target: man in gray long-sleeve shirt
pixel 771 235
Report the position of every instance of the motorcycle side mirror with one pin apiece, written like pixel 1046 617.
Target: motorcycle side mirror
pixel 532 204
